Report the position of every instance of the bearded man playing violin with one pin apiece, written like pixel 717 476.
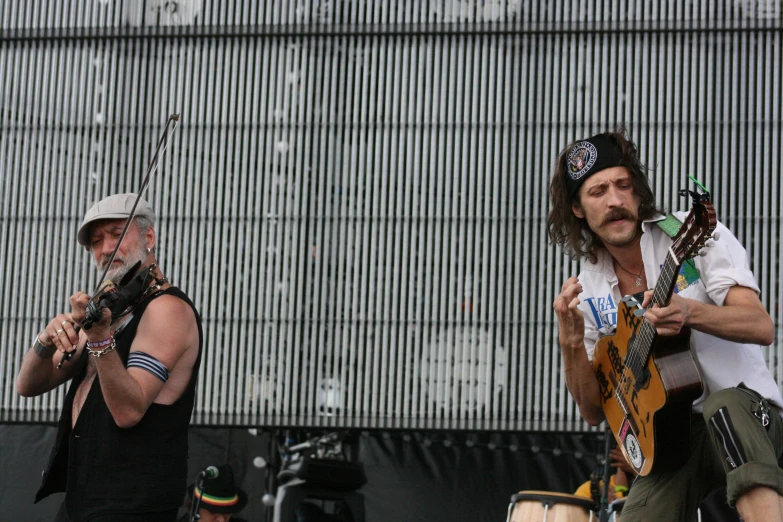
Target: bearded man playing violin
pixel 121 447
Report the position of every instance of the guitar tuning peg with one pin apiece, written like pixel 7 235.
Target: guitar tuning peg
pixel 715 235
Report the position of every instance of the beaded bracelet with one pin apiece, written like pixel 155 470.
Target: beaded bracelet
pixel 106 346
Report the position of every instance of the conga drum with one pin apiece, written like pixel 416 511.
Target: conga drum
pixel 546 506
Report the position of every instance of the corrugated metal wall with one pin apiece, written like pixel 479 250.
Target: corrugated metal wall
pixel 356 196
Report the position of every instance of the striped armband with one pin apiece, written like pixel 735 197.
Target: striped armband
pixel 148 363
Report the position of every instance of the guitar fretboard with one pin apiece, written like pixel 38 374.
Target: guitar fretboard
pixel 639 350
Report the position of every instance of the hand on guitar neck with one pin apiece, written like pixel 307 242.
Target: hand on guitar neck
pixel 670 319
pixel 740 308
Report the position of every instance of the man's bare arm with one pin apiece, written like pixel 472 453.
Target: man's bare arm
pixel 579 375
pixel 741 319
pixel 39 373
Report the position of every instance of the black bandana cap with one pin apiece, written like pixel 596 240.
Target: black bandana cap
pixel 587 157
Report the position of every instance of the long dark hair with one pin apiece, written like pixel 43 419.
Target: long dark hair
pixel 573 233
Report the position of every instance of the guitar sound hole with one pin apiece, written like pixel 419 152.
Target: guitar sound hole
pixel 644 379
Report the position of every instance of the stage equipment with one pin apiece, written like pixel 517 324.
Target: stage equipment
pixel 317 480
pixel 209 472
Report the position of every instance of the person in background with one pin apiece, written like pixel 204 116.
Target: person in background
pixel 218 499
pixel 619 482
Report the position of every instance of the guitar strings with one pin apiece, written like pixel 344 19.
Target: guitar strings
pixel 646 334
pixel 635 357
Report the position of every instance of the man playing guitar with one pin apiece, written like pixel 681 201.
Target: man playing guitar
pixel 603 211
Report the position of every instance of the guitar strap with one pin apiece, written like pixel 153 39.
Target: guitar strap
pixel 670 224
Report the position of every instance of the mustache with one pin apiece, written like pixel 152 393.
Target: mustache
pixel 105 262
pixel 617 214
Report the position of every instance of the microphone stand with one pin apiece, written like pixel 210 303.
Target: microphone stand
pixel 603 513
pixel 196 501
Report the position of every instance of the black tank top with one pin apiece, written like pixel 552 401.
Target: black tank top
pixel 105 469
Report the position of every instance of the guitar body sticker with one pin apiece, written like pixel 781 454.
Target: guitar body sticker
pixel 631 445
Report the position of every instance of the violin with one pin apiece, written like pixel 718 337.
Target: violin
pixel 120 298
pixel 123 298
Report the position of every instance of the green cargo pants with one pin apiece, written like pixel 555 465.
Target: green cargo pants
pixel 737 442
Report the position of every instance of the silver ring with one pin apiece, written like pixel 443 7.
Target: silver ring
pixel 60 331
pixel 65 322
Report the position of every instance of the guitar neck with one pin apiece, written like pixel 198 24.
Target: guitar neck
pixel 665 286
pixel 662 294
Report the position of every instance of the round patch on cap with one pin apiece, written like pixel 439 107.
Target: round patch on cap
pixel 581 158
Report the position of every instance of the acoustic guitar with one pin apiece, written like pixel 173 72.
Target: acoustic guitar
pixel 648 382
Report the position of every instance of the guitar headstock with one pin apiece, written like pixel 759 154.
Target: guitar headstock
pixel 697 228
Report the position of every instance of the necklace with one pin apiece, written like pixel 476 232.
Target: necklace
pixel 637 276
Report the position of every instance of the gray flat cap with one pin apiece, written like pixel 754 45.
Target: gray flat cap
pixel 118 206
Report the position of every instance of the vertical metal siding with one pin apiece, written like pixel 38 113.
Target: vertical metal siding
pixel 357 194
